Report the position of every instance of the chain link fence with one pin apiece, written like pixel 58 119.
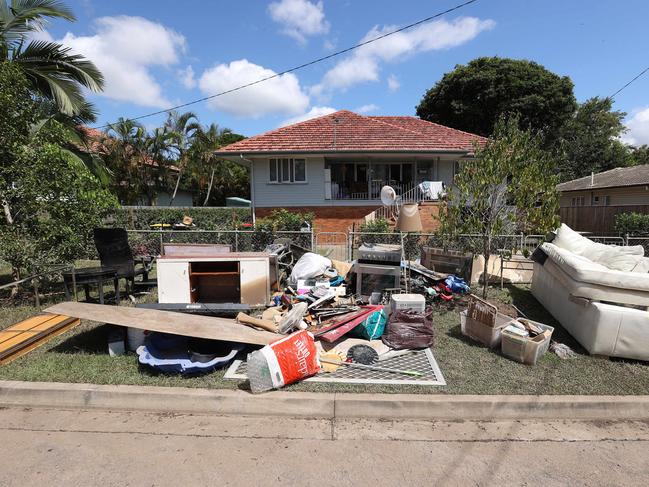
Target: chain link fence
pixel 150 242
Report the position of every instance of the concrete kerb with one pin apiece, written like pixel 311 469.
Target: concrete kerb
pixel 321 405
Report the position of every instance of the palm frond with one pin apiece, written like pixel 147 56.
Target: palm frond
pixel 24 16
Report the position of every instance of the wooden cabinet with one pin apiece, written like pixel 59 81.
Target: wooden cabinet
pixel 227 278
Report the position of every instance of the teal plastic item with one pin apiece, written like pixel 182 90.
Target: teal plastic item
pixel 373 327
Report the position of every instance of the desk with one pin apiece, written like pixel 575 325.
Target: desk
pixel 89 276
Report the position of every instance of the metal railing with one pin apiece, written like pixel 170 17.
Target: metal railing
pixel 35 279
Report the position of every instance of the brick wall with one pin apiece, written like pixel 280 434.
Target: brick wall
pixel 340 218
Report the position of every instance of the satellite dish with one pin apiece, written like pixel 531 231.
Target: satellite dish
pixel 388 195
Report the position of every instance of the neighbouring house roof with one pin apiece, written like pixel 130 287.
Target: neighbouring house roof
pixel 96 141
pixel 614 178
pixel 348 132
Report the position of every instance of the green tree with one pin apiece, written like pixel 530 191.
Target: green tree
pixel 510 186
pixel 212 176
pixel 589 140
pixel 182 128
pixel 50 201
pixel 52 71
pixel 640 155
pixel 473 97
pixel 126 152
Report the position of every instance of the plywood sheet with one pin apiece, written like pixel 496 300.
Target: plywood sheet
pixel 167 322
pixel 31 333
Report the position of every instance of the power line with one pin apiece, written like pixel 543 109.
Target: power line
pixel 301 66
pixel 638 76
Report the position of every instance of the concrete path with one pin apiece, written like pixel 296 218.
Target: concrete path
pixel 95 447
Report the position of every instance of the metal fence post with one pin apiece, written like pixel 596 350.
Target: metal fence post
pixel 236 240
pixel 161 242
pixel 312 241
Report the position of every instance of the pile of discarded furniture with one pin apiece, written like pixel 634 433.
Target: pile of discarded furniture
pixel 294 314
pixel 295 317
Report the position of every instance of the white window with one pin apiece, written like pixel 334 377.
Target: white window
pixel 287 170
pixel 578 201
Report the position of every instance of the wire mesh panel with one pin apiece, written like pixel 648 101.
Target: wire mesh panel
pixel 644 241
pixel 421 361
pixel 333 245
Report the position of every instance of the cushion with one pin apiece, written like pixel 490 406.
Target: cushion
pixel 581 269
pixel 572 241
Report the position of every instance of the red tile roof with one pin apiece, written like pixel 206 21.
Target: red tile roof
pixel 345 131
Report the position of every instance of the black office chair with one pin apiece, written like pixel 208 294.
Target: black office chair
pixel 114 251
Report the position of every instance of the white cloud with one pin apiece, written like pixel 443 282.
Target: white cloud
pixel 364 64
pixel 638 128
pixel 313 113
pixel 187 78
pixel 124 49
pixel 277 95
pixel 371 107
pixel 300 18
pixel 393 83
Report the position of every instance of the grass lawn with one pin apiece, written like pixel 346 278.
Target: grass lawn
pixel 80 355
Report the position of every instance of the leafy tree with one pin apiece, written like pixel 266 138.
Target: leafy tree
pixel 589 140
pixel 473 97
pixel 52 71
pixel 508 187
pixel 50 201
pixel 640 155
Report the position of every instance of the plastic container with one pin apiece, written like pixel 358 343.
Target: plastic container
pixel 402 302
pixel 481 332
pixel 135 338
pixel 526 350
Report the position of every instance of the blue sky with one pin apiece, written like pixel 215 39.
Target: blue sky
pixel 156 52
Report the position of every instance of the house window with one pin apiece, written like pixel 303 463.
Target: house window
pixel 577 201
pixel 287 170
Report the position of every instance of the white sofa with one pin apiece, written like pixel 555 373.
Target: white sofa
pixel 599 293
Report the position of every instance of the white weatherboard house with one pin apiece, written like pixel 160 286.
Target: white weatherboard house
pixel 335 165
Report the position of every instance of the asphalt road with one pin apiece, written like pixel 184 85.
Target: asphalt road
pixel 77 448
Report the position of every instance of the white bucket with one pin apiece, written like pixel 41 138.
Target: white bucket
pixel 135 338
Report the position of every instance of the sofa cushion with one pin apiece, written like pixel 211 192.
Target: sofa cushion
pixel 568 239
pixel 582 269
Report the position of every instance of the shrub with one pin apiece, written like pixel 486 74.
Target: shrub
pixel 283 220
pixel 378 225
pixel 632 223
pixel 205 218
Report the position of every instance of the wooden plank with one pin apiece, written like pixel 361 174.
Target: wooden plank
pixel 35 324
pixel 47 324
pixel 167 322
pixel 34 341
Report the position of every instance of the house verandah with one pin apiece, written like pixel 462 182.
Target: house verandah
pixel 335 165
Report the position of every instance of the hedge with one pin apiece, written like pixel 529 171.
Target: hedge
pixel 632 223
pixel 205 218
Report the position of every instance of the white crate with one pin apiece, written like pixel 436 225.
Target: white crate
pixel 414 302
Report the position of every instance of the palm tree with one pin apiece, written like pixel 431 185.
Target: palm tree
pixel 206 142
pixel 52 70
pixel 182 128
pixel 125 152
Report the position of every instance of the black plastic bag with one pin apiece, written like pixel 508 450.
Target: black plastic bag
pixel 409 329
